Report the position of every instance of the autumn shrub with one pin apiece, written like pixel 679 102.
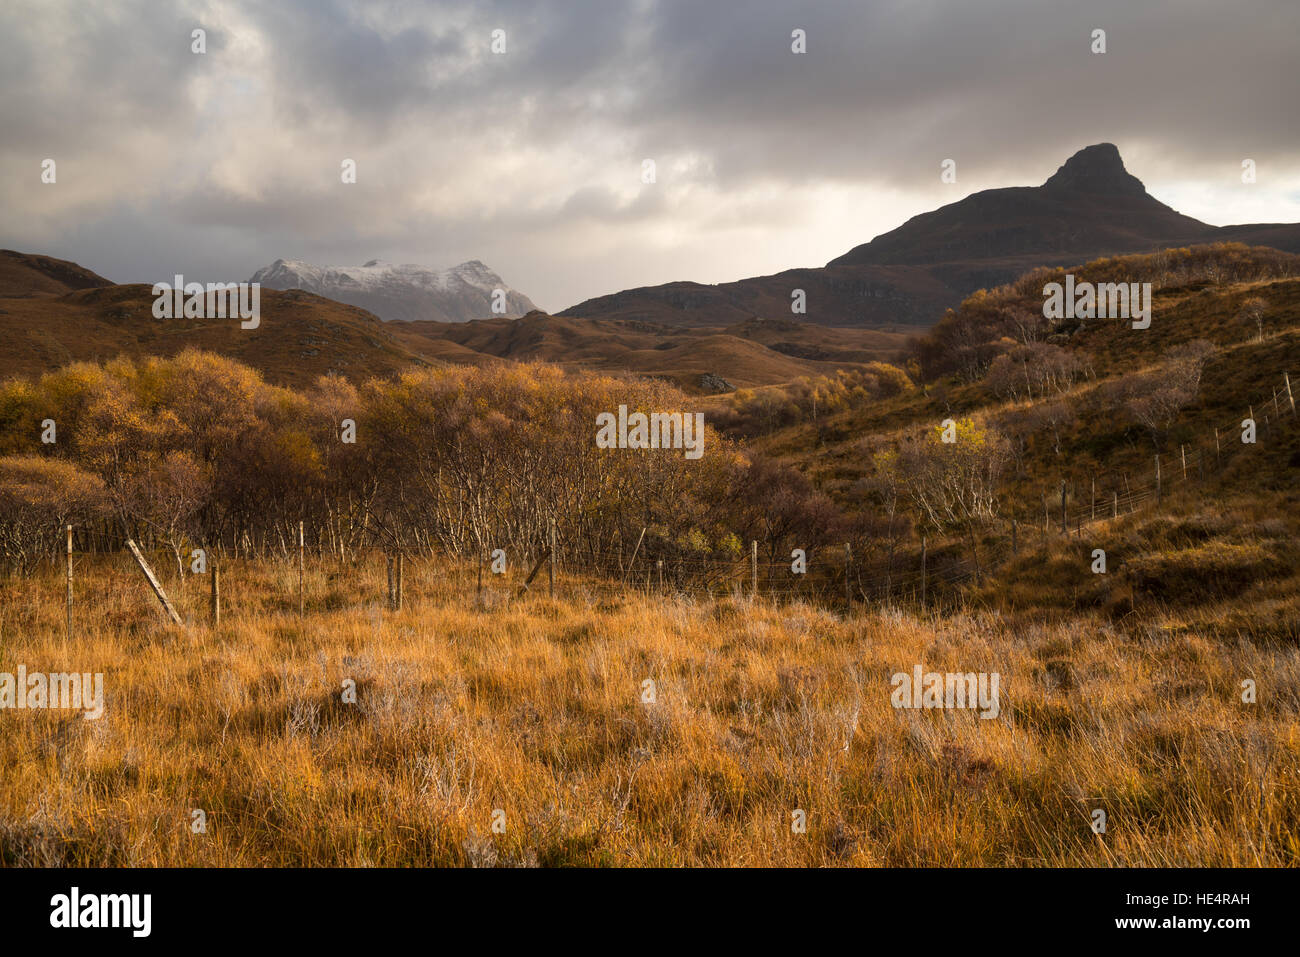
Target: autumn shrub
pixel 1215 570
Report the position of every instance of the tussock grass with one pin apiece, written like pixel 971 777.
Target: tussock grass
pixel 534 707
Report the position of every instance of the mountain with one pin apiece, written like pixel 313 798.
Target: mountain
pixel 401 292
pixel 1091 207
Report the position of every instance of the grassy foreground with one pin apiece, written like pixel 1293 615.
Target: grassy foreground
pixel 535 708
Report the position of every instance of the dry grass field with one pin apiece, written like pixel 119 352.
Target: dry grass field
pixel 535 708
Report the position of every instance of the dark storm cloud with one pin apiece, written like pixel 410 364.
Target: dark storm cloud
pixel 531 161
pixel 885 88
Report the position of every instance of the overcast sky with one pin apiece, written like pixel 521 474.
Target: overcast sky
pixel 213 165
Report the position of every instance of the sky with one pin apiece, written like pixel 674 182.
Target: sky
pixel 532 160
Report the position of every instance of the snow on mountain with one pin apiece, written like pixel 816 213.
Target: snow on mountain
pixel 401 292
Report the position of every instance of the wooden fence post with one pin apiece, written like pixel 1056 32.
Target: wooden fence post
pixel 1157 481
pixel 550 565
pixel 1093 498
pixel 153 582
pixel 659 564
pixel 632 561
pixel 214 600
pixel 1182 450
pixel 924 556
pixel 1218 455
pixel 545 557
pixel 302 600
pixel 848 589
pixel 401 580
pixel 753 568
pixel 69 622
pixel 1114 504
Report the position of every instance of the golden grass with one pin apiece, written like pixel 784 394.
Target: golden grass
pixel 534 707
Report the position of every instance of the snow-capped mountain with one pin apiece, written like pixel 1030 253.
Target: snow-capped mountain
pixel 401 292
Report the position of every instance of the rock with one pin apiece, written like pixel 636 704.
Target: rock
pixel 711 382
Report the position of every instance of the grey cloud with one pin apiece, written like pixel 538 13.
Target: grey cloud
pixel 543 146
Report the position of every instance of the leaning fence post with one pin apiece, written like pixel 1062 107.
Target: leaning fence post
pixel 153 582
pixel 632 561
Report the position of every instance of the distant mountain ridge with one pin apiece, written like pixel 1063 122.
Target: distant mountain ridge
pixel 54 312
pixel 402 293
pixel 1090 208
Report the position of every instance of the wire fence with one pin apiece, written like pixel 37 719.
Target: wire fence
pixel 930 573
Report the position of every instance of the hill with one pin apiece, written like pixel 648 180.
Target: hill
pixel 55 312
pixel 748 353
pixel 300 336
pixel 886 298
pixel 26 274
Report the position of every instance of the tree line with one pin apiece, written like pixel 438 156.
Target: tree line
pixel 199 451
